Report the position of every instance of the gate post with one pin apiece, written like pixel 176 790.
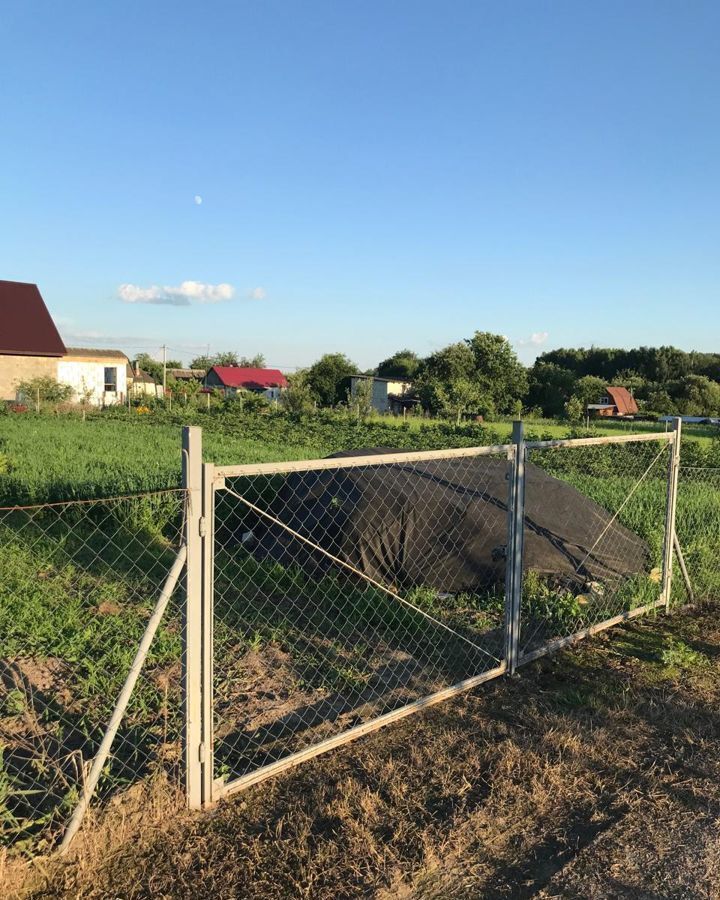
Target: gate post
pixel 194 623
pixel 514 558
pixel 670 508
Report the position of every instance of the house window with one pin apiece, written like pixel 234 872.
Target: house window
pixel 110 379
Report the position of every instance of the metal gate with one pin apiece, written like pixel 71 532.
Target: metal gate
pixel 302 635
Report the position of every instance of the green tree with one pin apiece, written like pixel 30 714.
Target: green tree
pixel 252 362
pixel 698 396
pixel 574 410
pixel 589 389
pixel 403 365
pixel 498 372
pixel 327 378
pixel 154 367
pixel 228 358
pixel 297 398
pixel 360 399
pixel 550 388
pixel 660 402
pixel 44 389
pixel 203 362
pixel 460 396
pixel 447 383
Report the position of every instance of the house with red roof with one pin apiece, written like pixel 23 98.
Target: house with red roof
pixel 231 379
pixel 617 401
pixel 31 347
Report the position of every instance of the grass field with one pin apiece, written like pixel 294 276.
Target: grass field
pixel 45 458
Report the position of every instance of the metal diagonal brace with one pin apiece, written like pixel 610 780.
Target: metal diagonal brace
pixel 123 700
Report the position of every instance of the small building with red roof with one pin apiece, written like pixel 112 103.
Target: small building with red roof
pixel 617 401
pixel 231 379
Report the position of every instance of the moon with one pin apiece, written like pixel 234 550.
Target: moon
pixel 198 199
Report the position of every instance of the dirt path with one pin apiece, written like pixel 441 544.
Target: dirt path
pixel 595 774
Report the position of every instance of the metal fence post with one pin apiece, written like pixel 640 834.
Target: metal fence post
pixel 207 532
pixel 193 624
pixel 514 560
pixel 670 508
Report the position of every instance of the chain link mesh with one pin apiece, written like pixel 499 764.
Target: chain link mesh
pixel 78 582
pixel 607 506
pixel 343 594
pixel 697 525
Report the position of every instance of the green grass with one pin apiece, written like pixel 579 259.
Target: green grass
pixel 49 458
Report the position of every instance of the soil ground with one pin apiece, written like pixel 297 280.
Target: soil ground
pixel 593 774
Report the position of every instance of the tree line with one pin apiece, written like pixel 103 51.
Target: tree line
pixel 482 376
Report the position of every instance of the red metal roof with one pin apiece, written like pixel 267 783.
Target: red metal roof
pixel 26 327
pixel 250 379
pixel 623 400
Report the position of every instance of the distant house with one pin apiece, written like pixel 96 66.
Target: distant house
pixel 186 374
pixel 388 394
pixel 31 347
pixel 617 402
pixel 231 379
pixel 141 383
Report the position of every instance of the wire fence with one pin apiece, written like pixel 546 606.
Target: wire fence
pixel 319 601
pixel 78 581
pixel 608 508
pixel 346 593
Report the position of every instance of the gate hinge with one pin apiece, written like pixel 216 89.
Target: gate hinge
pixel 201 753
pixel 202 526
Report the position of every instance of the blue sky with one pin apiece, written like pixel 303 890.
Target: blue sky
pixel 373 175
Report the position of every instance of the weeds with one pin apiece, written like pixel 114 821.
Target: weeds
pixel 678 655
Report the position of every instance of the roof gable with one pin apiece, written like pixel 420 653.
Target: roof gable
pixel 250 379
pixel 623 400
pixel 26 326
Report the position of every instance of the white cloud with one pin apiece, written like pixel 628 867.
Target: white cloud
pixel 198 199
pixel 258 293
pixel 536 339
pixel 183 295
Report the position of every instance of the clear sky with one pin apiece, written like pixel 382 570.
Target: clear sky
pixel 363 176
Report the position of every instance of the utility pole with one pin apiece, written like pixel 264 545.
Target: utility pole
pixel 164 350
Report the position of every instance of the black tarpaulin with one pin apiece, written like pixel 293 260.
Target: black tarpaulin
pixel 443 524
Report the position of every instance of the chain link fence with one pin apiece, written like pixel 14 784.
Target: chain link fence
pixel 320 601
pixel 342 594
pixel 78 582
pixel 609 509
pixel 697 525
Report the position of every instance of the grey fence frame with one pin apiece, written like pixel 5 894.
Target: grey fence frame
pixel 203 480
